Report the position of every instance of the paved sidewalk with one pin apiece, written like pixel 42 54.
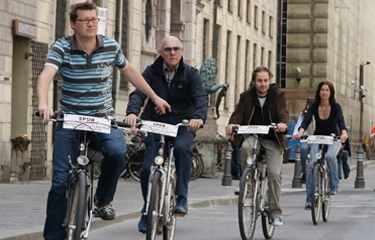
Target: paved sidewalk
pixel 22 206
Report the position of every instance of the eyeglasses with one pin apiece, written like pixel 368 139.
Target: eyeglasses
pixel 90 20
pixel 170 49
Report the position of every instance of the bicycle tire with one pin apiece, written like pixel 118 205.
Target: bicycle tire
pixel 316 204
pixel 326 199
pixel 197 165
pixel 153 207
pixel 267 225
pixel 78 208
pixel 169 228
pixel 247 198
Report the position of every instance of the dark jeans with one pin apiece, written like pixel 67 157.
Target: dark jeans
pixel 66 143
pixel 236 170
pixel 183 157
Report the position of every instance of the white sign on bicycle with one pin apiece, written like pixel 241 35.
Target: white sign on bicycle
pixel 159 128
pixel 320 139
pixel 87 123
pixel 253 129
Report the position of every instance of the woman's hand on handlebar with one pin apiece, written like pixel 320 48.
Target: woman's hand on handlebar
pixel 344 136
pixel 229 130
pixel 298 135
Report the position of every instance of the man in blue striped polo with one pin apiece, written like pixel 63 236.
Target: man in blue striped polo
pixel 85 62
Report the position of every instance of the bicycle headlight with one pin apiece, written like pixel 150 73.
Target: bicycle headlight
pixel 83 160
pixel 158 160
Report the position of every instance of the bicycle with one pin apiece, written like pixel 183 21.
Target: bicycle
pixel 252 200
pixel 80 185
pixel 321 201
pixel 161 196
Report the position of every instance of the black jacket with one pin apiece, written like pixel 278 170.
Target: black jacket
pixel 186 94
pixel 275 111
pixel 335 121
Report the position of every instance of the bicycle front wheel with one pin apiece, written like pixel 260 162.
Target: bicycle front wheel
pixel 267 225
pixel 247 209
pixel 169 226
pixel 77 208
pixel 154 207
pixel 316 204
pixel 135 165
pixel 326 202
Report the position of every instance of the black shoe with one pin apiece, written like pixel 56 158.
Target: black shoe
pixel 308 206
pixel 142 224
pixel 181 207
pixel 105 212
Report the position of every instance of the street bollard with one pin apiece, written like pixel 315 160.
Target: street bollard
pixel 360 180
pixel 227 177
pixel 297 178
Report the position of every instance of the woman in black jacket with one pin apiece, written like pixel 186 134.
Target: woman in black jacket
pixel 329 120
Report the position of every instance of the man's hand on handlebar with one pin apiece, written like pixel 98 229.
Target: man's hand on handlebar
pixel 195 123
pixel 344 136
pixel 281 127
pixel 44 112
pixel 132 120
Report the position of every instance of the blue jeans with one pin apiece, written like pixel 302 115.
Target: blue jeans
pixel 331 160
pixel 183 157
pixel 66 143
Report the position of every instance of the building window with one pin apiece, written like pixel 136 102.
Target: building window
pixel 248 12
pixel 206 29
pixel 269 59
pixel 239 8
pixel 270 26
pixel 227 66
pixel 238 66
pixel 262 56
pixel 255 55
pixel 247 52
pixel 263 22
pixel 230 6
pixel 148 19
pixel 255 17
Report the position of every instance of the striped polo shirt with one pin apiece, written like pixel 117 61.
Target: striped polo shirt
pixel 87 79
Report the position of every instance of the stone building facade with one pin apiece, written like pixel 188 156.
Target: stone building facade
pixel 239 34
pixel 329 40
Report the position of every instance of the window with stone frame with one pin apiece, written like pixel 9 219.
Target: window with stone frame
pixel 148 19
pixel 230 6
pixel 263 22
pixel 255 55
pixel 248 12
pixel 255 17
pixel 262 56
pixel 239 8
pixel 270 26
pixel 269 60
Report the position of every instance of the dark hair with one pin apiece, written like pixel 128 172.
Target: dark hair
pixel 332 99
pixel 80 6
pixel 258 70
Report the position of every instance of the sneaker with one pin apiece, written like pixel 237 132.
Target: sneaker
pixel 105 212
pixel 277 221
pixel 181 206
pixel 308 206
pixel 332 192
pixel 142 224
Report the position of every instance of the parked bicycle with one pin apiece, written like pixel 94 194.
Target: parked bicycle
pixel 252 200
pixel 80 185
pixel 320 205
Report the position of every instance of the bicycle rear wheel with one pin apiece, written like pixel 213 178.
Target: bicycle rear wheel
pixel 267 226
pixel 154 207
pixel 77 208
pixel 326 201
pixel 247 209
pixel 197 167
pixel 169 226
pixel 316 204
